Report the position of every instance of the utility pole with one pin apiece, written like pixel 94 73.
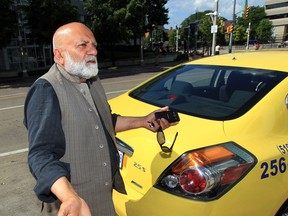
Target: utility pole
pixel 214 27
pixel 146 22
pixel 20 39
pixel 233 24
pixel 177 35
pixel 248 35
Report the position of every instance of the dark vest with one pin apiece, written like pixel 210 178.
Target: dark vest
pixel 90 145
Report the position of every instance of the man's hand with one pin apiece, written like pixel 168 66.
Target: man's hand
pixel 154 124
pixel 149 122
pixel 71 203
pixel 75 206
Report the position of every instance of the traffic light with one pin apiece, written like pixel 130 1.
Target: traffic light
pixel 246 12
pixel 230 29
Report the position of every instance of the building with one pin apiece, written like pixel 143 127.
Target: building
pixel 277 13
pixel 23 54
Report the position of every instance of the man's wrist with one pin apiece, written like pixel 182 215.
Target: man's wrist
pixel 63 189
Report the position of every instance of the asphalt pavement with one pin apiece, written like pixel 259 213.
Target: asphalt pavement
pixel 6 82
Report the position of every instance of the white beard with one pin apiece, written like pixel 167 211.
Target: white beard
pixel 79 68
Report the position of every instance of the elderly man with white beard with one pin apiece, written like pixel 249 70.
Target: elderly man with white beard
pixel 71 129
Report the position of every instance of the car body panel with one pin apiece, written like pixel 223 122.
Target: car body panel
pixel 262 131
pixel 148 150
pixel 261 59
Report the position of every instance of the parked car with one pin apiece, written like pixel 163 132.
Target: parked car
pixel 229 153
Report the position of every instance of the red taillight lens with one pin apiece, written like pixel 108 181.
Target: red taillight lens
pixel 192 181
pixel 198 180
pixel 206 173
pixel 233 173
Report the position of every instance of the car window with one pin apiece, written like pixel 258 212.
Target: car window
pixel 212 92
pixel 201 77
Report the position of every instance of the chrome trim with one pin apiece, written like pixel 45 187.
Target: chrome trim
pixel 286 101
pixel 135 183
pixel 122 146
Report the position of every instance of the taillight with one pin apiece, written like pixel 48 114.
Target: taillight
pixel 207 173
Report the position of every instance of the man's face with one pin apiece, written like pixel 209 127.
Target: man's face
pixel 77 46
pixel 86 68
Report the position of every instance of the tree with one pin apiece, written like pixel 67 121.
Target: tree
pixel 239 34
pixel 156 11
pixel 145 16
pixel 264 31
pixel 204 36
pixel 8 22
pixel 172 37
pixel 45 16
pixel 256 14
pixel 108 20
pixel 205 29
pixel 115 21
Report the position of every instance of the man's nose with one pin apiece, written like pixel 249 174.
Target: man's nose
pixel 93 50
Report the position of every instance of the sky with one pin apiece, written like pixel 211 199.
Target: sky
pixel 181 9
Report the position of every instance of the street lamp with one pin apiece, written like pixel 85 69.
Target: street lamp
pixel 214 28
pixel 248 35
pixel 177 38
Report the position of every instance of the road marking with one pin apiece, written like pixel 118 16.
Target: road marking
pixel 12 95
pixel 123 81
pixel 13 152
pixel 114 92
pixel 20 106
pixel 13 107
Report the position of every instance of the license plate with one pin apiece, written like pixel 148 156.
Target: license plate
pixel 121 158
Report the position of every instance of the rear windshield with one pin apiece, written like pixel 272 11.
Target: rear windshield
pixel 212 92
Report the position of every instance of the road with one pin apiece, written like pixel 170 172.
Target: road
pixel 16 183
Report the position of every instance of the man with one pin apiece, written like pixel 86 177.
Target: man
pixel 217 49
pixel 71 130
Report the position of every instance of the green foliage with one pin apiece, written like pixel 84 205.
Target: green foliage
pixel 205 29
pixel 260 28
pixel 264 31
pixel 114 21
pixel 8 22
pixel 157 13
pixel 256 14
pixel 107 20
pixel 45 16
pixel 204 36
pixel 239 34
pixel 172 37
pixel 135 18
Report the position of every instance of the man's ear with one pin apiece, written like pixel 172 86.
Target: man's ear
pixel 59 57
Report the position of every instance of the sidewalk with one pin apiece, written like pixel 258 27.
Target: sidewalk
pixel 135 69
pixel 103 73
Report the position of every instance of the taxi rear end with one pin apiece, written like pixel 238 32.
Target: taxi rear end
pixel 220 164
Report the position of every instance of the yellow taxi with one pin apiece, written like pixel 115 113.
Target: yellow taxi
pixel 229 153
